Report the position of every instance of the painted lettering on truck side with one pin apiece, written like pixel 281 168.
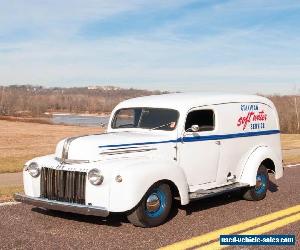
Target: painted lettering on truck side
pixel 254 118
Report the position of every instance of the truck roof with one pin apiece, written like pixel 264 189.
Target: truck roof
pixel 186 101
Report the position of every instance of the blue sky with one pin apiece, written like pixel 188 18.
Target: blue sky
pixel 177 45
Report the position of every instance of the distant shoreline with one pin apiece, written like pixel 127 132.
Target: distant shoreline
pixel 48 119
pixel 80 114
pixel 40 120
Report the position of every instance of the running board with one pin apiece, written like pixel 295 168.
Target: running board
pixel 201 193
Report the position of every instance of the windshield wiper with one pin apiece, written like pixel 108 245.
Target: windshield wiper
pixel 169 123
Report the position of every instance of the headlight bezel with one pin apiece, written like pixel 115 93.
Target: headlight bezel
pixel 33 169
pixel 95 177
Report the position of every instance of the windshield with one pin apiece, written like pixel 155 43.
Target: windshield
pixel 147 118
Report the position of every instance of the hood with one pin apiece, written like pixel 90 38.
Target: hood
pixel 109 145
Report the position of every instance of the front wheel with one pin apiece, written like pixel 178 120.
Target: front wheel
pixel 259 191
pixel 154 208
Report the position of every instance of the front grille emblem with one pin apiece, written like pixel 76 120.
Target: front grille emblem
pixel 65 151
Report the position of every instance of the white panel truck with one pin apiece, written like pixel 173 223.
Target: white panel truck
pixel 186 146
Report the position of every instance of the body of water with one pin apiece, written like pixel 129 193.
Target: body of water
pixel 80 120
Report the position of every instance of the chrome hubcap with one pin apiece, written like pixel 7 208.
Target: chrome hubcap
pixel 153 203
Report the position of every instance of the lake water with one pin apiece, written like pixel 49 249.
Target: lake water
pixel 80 120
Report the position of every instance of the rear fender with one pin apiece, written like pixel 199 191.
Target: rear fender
pixel 260 154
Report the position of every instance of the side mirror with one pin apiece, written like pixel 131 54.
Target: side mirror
pixel 193 128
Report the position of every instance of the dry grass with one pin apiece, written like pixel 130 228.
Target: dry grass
pixel 291 148
pixel 289 141
pixel 20 141
pixel 291 158
pixel 6 193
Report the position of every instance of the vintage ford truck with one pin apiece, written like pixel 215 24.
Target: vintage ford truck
pixel 184 146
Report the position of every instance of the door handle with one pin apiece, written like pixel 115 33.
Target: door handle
pixel 218 142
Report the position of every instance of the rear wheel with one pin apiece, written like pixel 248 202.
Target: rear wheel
pixel 259 191
pixel 154 208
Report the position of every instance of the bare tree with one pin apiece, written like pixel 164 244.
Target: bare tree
pixel 297 114
pixel 26 100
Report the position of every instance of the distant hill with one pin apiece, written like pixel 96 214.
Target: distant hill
pixel 28 100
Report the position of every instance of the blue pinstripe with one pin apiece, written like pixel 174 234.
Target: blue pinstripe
pixel 198 138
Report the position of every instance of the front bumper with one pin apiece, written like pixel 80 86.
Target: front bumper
pixel 62 206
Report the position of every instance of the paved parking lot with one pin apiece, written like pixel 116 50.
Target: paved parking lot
pixel 25 227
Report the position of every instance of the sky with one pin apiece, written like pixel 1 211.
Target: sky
pixel 176 45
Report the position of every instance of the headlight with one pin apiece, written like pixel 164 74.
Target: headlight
pixel 33 169
pixel 95 177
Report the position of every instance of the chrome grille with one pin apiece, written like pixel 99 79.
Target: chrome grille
pixel 61 185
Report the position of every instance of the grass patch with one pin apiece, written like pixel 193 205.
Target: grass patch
pixel 291 148
pixel 22 141
pixel 6 193
pixel 291 157
pixel 289 141
pixel 13 164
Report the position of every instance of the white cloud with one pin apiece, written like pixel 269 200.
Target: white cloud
pixel 245 59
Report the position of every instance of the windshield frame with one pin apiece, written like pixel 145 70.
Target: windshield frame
pixel 113 121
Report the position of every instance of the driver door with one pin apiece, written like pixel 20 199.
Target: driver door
pixel 199 152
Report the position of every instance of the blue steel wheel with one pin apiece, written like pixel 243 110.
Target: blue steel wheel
pixel 259 191
pixel 261 183
pixel 154 208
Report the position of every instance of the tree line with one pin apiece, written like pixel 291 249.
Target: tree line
pixel 36 101
pixel 288 108
pixel 26 100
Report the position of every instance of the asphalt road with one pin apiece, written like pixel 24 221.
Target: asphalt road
pixel 25 227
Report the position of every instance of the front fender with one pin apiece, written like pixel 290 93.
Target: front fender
pixel 138 177
pixel 260 154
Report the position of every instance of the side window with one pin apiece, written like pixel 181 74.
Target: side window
pixel 205 119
